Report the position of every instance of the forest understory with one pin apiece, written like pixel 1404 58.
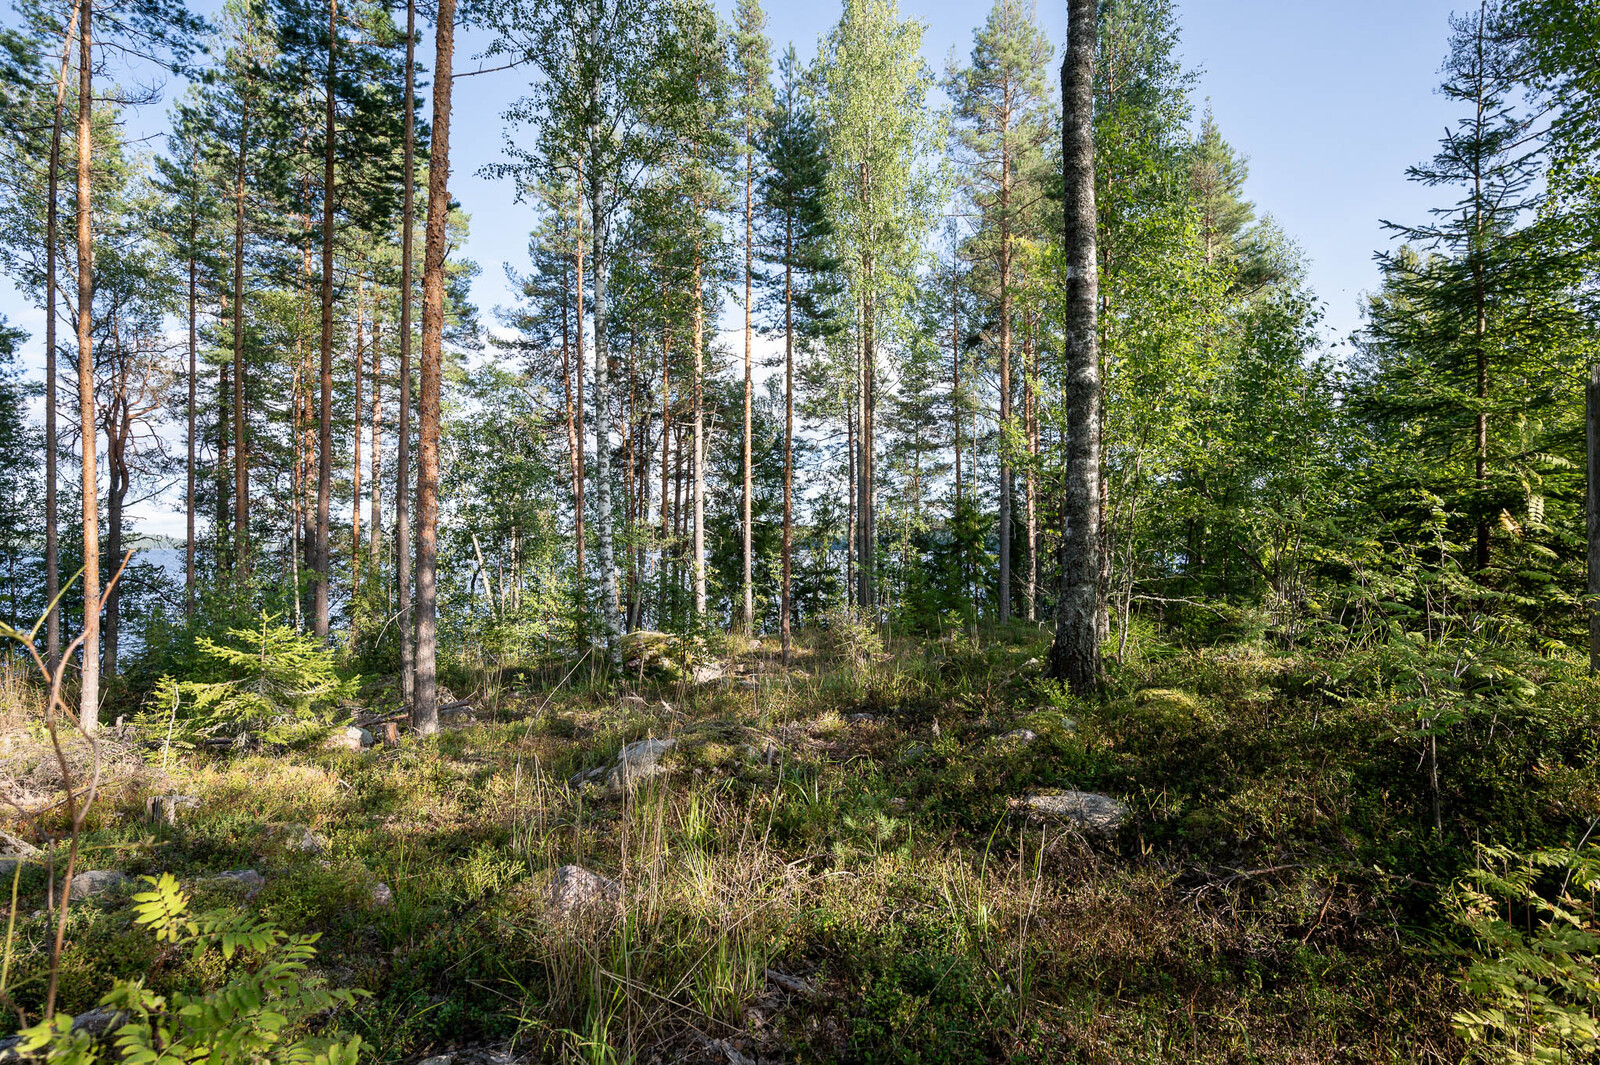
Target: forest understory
pixel 838 861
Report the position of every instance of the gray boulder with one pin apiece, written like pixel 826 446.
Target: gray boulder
pixel 574 890
pixel 349 738
pixel 1093 814
pixel 246 881
pixel 15 852
pixel 94 882
pixel 639 760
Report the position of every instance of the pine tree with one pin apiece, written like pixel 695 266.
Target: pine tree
pixel 804 284
pixel 1003 122
pixel 879 132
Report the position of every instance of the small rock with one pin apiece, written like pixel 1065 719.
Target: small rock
pixel 708 672
pixel 637 702
pixel 578 780
pixel 575 890
pixel 728 1051
pixel 165 807
pixel 1095 814
pixel 792 984
pixel 15 852
pixel 749 684
pixel 861 719
pixel 380 894
pixel 302 839
pixel 247 881
pixel 639 760
pixel 1020 736
pixel 349 738
pixel 1032 663
pixel 96 882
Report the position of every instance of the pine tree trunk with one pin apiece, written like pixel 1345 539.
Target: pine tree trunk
pixel 241 471
pixel 425 714
pixel 375 507
pixel 1003 606
pixel 189 493
pixel 749 274
pixel 605 534
pixel 1075 654
pixel 89 698
pixel 699 502
pixel 402 459
pixel 1592 394
pixel 357 367
pixel 785 621
pixel 583 469
pixel 325 386
pixel 666 457
pixel 52 547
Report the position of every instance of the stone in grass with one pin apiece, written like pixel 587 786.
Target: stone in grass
pixel 302 839
pixel 246 881
pixel 94 882
pixel 380 894
pixel 639 760
pixel 861 719
pixel 1093 813
pixel 482 1056
pixel 575 890
pixel 349 738
pixel 15 852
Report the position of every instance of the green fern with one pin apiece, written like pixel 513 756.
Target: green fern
pixel 257 1016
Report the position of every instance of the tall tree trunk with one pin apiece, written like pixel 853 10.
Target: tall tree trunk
pixel 866 523
pixel 425 714
pixel 375 508
pixel 786 618
pixel 325 385
pixel 1003 606
pixel 666 456
pixel 402 496
pixel 955 370
pixel 604 532
pixel 189 494
pixel 749 274
pixel 1075 654
pixel 358 366
pixel 118 430
pixel 1030 430
pixel 583 469
pixel 699 502
pixel 1592 394
pixel 241 455
pixel 89 698
pixel 52 547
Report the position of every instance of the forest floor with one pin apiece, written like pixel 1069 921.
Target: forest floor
pixel 837 862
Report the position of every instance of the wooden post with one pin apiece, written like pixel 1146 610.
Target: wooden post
pixel 1593 420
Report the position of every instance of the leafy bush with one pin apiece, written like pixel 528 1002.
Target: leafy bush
pixel 1535 965
pixel 257 1015
pixel 277 683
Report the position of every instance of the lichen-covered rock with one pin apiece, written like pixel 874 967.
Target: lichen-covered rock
pixel 639 760
pixel 15 852
pixel 246 881
pixel 1094 814
pixel 349 738
pixel 575 890
pixel 94 882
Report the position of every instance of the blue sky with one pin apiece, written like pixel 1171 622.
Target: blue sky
pixel 1329 101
